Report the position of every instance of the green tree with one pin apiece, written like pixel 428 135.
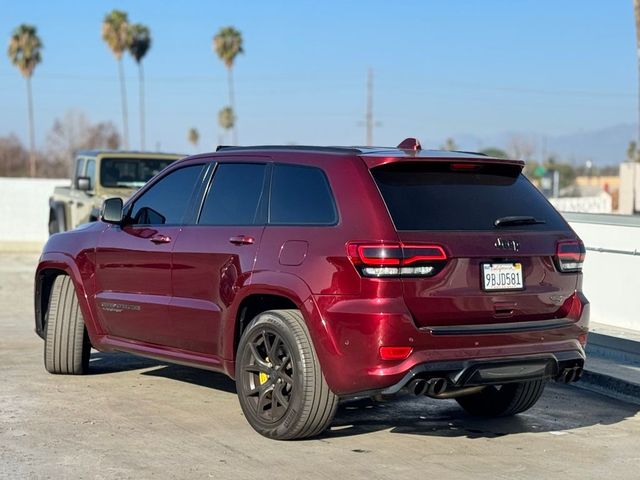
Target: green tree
pixel 24 53
pixel 566 171
pixel 227 44
pixel 117 35
pixel 138 47
pixel 193 136
pixel 494 152
pixel 226 118
pixel 450 144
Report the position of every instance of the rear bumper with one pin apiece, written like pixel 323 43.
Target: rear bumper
pixel 348 347
pixel 494 371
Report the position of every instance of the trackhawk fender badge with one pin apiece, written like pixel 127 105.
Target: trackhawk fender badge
pixel 118 307
pixel 504 244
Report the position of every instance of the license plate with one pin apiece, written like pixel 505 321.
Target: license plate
pixel 502 276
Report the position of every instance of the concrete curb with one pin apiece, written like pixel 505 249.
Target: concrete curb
pixel 615 347
pixel 613 366
pixel 611 386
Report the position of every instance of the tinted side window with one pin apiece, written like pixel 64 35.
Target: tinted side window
pixel 301 196
pixel 235 196
pixel 167 200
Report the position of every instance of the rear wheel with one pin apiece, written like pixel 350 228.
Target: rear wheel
pixel 280 384
pixel 503 400
pixel 67 346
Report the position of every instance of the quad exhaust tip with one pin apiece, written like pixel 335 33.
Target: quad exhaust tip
pixel 418 386
pixel 571 374
pixel 433 387
pixel 436 386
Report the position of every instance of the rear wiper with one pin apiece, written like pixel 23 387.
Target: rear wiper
pixel 516 220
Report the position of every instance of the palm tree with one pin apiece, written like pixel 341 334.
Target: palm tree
pixel 116 33
pixel 226 118
pixel 138 48
pixel 193 136
pixel 228 45
pixel 24 53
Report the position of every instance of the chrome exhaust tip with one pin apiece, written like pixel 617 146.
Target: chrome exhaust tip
pixel 436 386
pixel 418 386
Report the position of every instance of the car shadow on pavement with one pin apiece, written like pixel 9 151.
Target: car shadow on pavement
pixel 112 362
pixel 560 410
pixel 195 376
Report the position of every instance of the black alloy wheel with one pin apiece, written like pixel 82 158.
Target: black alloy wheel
pixel 268 375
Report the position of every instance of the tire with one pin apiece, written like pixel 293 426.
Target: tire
pixel 506 400
pixel 66 346
pixel 286 398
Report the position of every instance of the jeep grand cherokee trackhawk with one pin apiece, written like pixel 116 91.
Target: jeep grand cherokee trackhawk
pixel 315 274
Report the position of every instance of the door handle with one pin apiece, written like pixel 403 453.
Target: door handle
pixel 157 239
pixel 242 240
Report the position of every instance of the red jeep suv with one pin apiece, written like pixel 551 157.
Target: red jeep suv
pixel 315 274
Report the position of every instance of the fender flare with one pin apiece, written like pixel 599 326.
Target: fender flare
pixel 65 263
pixel 289 286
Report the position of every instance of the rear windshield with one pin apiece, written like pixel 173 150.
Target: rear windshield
pixel 435 196
pixel 130 172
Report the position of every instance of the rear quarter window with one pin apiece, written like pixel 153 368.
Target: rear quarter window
pixel 301 195
pixel 433 196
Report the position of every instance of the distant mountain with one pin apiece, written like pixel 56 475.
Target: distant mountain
pixel 606 146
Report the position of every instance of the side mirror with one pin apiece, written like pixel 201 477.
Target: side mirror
pixel 112 211
pixel 83 183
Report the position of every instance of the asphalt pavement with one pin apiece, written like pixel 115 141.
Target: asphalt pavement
pixel 137 418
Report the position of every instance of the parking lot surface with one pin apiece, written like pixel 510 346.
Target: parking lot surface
pixel 139 418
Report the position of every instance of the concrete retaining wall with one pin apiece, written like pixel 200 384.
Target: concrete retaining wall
pixel 24 212
pixel 612 266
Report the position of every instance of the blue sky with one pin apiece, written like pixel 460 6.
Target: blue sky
pixel 441 68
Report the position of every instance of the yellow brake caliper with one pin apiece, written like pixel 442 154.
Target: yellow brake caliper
pixel 262 376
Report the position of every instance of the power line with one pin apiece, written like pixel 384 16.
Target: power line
pixel 443 81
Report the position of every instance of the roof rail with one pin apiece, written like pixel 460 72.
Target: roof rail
pixel 309 148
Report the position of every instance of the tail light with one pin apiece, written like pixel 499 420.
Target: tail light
pixel 396 259
pixel 570 255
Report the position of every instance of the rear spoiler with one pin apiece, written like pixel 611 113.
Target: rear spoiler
pixel 377 159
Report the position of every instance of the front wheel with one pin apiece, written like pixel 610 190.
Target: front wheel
pixel 66 346
pixel 280 384
pixel 503 400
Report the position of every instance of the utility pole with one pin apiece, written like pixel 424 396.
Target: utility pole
pixel 368 117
